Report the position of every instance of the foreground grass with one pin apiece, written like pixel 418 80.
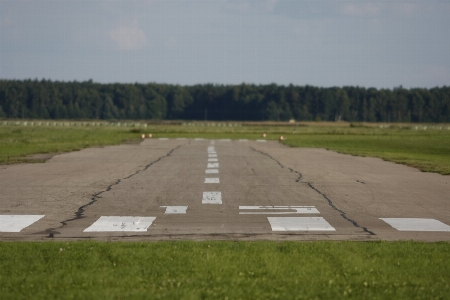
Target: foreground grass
pixel 427 150
pixel 221 270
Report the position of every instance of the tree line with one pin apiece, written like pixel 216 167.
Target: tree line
pixel 45 99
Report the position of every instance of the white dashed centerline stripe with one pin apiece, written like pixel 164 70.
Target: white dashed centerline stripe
pixel 163 139
pixel 175 209
pixel 15 223
pixel 212 198
pixel 243 140
pixel 268 210
pixel 212 165
pixel 261 141
pixel 211 171
pixel 120 223
pixel 212 159
pixel 212 180
pixel 212 155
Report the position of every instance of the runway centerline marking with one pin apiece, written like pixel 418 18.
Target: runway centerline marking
pixel 212 198
pixel 212 155
pixel 299 224
pixel 267 210
pixel 416 224
pixel 212 180
pixel 175 209
pixel 163 139
pixel 261 141
pixel 212 159
pixel 15 223
pixel 211 171
pixel 120 223
pixel 213 165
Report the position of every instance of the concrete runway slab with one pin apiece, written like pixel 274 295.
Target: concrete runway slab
pixel 138 182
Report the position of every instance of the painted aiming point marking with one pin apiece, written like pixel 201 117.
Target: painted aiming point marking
pixel 212 198
pixel 268 210
pixel 212 159
pixel 299 224
pixel 175 209
pixel 115 223
pixel 211 171
pixel 15 223
pixel 212 180
pixel 213 165
pixel 415 224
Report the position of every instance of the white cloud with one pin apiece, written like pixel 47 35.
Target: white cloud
pixel 361 9
pixel 129 37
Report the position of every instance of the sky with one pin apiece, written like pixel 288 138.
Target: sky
pixel 381 44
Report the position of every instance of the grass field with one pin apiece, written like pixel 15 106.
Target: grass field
pixel 427 150
pixel 225 270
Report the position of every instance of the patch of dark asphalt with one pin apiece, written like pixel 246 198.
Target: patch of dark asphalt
pixel 341 212
pixel 79 213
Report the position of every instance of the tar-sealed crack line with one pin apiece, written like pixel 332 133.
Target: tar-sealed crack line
pixel 342 213
pixel 79 213
pixel 290 169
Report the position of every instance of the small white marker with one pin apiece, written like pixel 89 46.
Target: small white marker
pixel 213 165
pixel 212 198
pixel 143 136
pixel 212 159
pixel 212 180
pixel 175 209
pixel 211 171
pixel 150 135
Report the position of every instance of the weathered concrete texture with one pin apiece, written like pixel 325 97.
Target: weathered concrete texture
pixel 351 193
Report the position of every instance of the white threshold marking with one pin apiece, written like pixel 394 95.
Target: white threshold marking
pixel 416 224
pixel 175 209
pixel 116 223
pixel 212 159
pixel 212 155
pixel 212 198
pixel 299 224
pixel 15 223
pixel 267 210
pixel 163 139
pixel 261 141
pixel 211 171
pixel 212 180
pixel 213 165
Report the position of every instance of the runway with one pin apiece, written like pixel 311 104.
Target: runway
pixel 196 189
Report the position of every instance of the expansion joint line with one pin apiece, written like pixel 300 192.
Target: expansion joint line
pixel 96 196
pixel 341 212
pixel 290 169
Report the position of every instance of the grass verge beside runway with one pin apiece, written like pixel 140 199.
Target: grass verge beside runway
pixel 225 270
pixel 427 150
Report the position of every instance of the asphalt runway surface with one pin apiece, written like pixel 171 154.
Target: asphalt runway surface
pixel 181 189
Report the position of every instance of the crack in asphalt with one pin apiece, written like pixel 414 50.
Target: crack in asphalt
pixel 341 212
pixel 96 196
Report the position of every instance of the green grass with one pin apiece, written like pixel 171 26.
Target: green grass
pixel 225 270
pixel 427 150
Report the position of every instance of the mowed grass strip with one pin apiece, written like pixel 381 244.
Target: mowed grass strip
pixel 225 270
pixel 427 150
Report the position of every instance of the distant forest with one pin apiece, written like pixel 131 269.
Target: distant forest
pixel 44 99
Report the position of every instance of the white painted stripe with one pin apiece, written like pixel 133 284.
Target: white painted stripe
pixel 261 141
pixel 243 140
pixel 199 139
pixel 416 224
pixel 212 159
pixel 211 148
pixel 212 180
pixel 212 155
pixel 175 209
pixel 163 139
pixel 299 224
pixel 181 139
pixel 212 198
pixel 15 223
pixel 224 140
pixel 213 165
pixel 267 210
pixel 116 223
pixel 211 171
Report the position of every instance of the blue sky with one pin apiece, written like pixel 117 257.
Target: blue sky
pixel 380 44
